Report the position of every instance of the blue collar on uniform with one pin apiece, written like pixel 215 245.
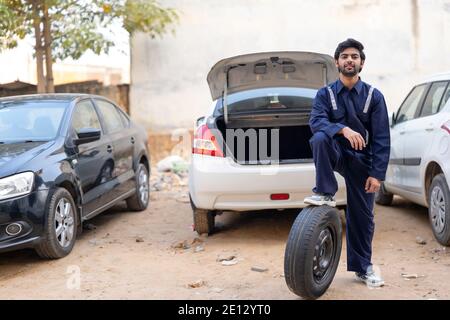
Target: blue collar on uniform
pixel 358 86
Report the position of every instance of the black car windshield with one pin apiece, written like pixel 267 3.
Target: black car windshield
pixel 30 120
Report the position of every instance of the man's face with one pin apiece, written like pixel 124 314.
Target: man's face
pixel 349 62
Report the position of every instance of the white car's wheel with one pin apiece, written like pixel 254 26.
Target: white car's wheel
pixel 383 197
pixel 439 209
pixel 204 220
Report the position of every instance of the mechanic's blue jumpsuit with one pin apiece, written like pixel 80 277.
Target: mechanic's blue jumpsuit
pixel 363 109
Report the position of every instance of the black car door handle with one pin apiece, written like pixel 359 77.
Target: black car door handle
pixel 132 140
pixel 109 149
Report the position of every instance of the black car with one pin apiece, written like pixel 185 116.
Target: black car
pixel 64 158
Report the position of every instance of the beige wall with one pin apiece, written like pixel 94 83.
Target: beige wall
pixel 404 39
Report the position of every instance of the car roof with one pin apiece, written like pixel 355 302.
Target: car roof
pixel 50 96
pixel 438 77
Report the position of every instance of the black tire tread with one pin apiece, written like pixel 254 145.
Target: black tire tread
pixel 299 245
pixel 47 249
pixel 203 221
pixel 383 197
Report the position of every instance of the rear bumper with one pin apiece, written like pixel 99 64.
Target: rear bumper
pixel 217 183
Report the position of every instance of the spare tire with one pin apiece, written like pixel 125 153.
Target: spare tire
pixel 312 251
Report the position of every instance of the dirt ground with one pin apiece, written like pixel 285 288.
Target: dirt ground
pixel 155 255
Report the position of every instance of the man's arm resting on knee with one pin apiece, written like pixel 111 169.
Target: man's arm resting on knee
pixel 320 119
pixel 356 140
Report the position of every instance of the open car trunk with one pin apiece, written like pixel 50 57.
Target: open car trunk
pixel 264 103
pixel 267 138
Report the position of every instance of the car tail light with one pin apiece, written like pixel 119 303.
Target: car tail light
pixel 279 196
pixel 446 126
pixel 206 143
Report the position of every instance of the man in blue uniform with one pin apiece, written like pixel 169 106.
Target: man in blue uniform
pixel 350 128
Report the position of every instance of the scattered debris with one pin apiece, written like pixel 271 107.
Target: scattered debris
pixel 229 262
pixel 259 269
pixel 89 226
pixel 181 245
pixel 139 239
pixel 178 181
pixel 410 276
pixel 198 249
pixel 420 240
pixel 157 187
pixel 216 290
pixel 226 258
pixel 172 163
pixel 183 199
pixel 196 284
pixel 197 240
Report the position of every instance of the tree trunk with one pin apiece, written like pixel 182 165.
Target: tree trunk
pixel 41 83
pixel 48 51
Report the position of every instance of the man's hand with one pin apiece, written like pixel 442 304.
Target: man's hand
pixel 372 185
pixel 356 140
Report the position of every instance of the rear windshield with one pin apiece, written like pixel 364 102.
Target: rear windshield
pixel 30 120
pixel 276 99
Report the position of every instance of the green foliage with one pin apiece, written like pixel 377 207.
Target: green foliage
pixel 15 22
pixel 81 25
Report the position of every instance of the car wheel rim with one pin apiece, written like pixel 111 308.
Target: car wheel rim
pixel 64 223
pixel 323 254
pixel 143 186
pixel 437 209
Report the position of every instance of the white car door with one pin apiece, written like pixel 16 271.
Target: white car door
pixel 393 176
pixel 419 135
pixel 399 138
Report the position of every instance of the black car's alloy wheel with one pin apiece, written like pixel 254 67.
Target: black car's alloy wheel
pixel 60 228
pixel 140 199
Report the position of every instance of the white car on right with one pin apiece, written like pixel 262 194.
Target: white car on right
pixel 419 165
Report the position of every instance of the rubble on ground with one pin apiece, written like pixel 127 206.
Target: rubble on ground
pixel 169 177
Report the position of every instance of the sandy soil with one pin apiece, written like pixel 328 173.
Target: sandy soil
pixel 141 256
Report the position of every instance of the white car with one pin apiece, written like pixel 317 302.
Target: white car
pixel 419 165
pixel 252 150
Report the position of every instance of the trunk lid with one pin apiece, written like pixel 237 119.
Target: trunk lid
pixel 271 69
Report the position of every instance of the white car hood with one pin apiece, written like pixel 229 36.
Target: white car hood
pixel 271 69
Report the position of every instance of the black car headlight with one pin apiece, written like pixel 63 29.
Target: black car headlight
pixel 16 185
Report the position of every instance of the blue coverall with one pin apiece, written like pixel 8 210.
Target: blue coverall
pixel 363 110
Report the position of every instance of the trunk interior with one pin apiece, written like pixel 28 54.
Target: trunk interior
pixel 267 138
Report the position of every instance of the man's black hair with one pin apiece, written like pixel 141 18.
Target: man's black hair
pixel 350 43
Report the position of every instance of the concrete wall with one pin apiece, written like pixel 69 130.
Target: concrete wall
pixel 404 39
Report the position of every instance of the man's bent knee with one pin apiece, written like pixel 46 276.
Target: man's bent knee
pixel 320 138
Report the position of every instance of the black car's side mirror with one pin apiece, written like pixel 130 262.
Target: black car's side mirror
pixel 86 135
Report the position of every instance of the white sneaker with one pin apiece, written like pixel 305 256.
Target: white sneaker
pixel 320 200
pixel 370 278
